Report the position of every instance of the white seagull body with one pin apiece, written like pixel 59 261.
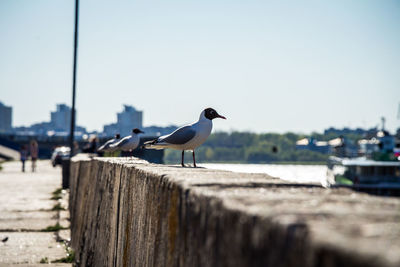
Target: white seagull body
pixel 187 137
pixel 128 143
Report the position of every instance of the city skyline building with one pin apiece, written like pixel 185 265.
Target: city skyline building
pixel 60 119
pixel 59 124
pixel 127 120
pixel 5 118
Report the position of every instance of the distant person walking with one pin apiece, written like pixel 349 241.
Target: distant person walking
pixel 24 155
pixel 91 146
pixel 77 149
pixel 34 151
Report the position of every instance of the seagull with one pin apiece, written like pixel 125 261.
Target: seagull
pixel 106 147
pixel 128 143
pixel 187 137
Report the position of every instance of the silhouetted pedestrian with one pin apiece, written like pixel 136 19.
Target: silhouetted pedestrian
pixel 24 155
pixel 34 150
pixel 91 147
pixel 77 149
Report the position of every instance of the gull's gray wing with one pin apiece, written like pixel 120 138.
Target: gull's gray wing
pixel 122 142
pixel 180 136
pixel 106 144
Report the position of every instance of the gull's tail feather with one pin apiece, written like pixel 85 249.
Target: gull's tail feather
pixel 153 144
pixel 148 144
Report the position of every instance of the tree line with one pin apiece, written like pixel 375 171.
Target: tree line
pixel 246 147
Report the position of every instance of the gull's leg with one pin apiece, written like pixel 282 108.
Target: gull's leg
pixel 183 155
pixel 194 160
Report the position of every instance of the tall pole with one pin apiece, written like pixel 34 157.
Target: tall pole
pixel 72 129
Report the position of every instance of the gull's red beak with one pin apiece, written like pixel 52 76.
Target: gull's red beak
pixel 222 117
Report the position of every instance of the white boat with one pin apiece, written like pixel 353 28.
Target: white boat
pixel 381 177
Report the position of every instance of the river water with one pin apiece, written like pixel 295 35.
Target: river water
pixel 315 174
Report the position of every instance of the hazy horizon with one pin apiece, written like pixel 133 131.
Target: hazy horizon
pixel 217 130
pixel 267 66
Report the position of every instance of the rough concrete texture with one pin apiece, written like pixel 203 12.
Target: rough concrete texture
pixel 126 212
pixel 38 265
pixel 25 210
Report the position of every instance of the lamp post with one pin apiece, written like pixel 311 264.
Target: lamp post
pixel 66 163
pixel 72 129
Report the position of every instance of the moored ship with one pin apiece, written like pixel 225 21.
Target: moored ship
pixel 380 177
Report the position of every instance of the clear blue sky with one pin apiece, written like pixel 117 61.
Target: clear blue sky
pixel 269 66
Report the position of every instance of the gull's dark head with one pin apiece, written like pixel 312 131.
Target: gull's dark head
pixel 117 136
pixel 137 131
pixel 211 114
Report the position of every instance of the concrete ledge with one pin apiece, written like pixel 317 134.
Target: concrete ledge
pixel 131 213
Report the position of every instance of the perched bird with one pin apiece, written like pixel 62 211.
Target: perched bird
pixel 128 143
pixel 106 147
pixel 187 137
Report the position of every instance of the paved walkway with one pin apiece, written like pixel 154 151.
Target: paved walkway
pixel 25 211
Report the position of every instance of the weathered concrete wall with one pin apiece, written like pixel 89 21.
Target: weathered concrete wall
pixel 131 213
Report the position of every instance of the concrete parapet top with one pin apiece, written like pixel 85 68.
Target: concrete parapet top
pixel 334 219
